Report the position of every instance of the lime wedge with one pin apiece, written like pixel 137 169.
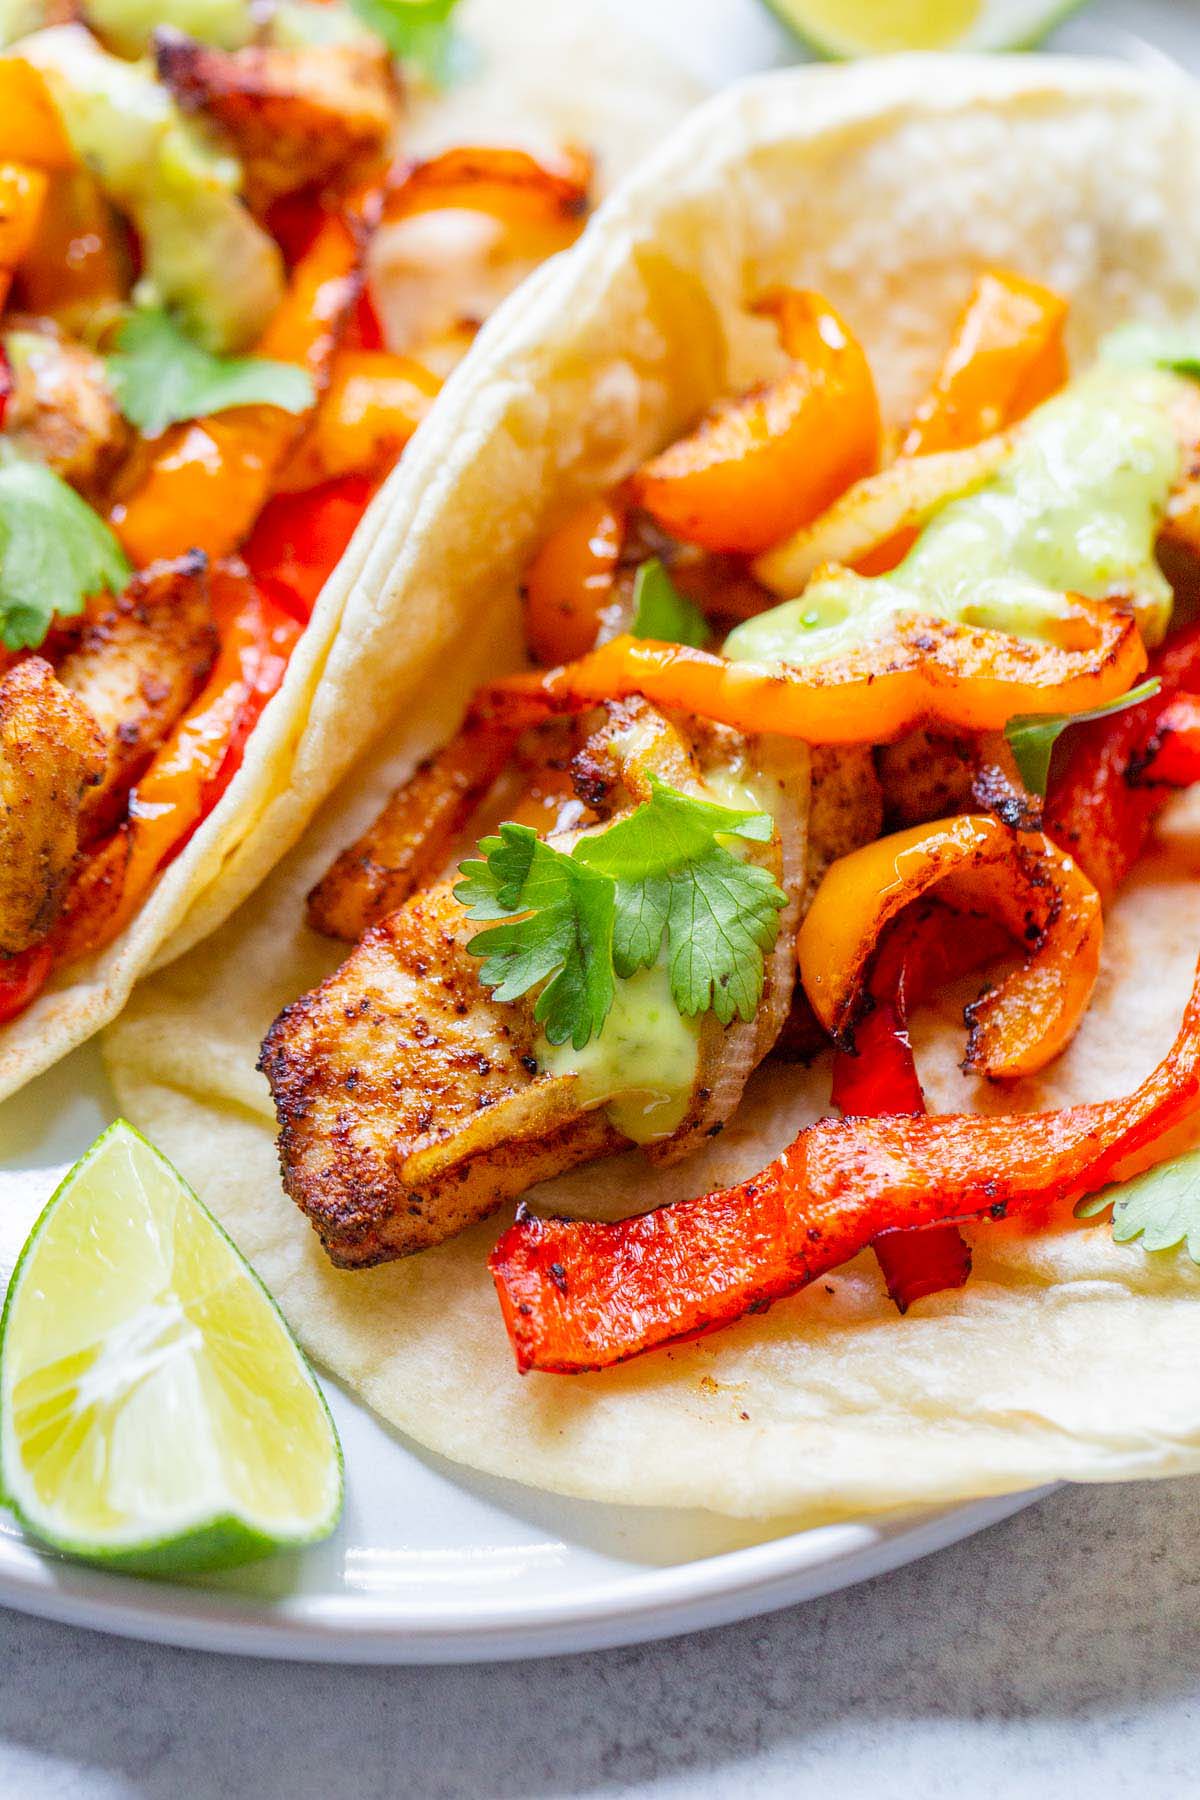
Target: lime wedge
pixel 874 27
pixel 155 1412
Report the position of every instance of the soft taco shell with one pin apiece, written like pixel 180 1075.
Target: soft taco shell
pixel 886 186
pixel 367 650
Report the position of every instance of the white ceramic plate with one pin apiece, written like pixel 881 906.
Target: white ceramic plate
pixel 432 1563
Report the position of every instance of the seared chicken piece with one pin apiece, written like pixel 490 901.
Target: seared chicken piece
pixel 932 775
pixel 60 411
pixel 293 116
pixel 410 1102
pixel 137 665
pixel 51 754
pixel 847 807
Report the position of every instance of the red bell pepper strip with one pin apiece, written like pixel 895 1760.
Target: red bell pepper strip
pixel 576 1295
pixel 920 952
pixel 299 539
pixel 21 978
pixel 1099 805
pixel 1172 758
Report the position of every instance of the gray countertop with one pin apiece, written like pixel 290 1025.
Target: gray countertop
pixel 1057 1653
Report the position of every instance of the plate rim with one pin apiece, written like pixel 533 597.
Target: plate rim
pixel 640 1608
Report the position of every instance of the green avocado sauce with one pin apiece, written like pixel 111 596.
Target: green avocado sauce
pixel 642 1066
pixel 1075 508
pixel 204 254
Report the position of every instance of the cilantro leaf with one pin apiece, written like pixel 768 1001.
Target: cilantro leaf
pixel 1033 736
pixel 160 376
pixel 675 879
pixel 605 909
pixel 420 32
pixel 565 941
pixel 661 611
pixel 54 552
pixel 1162 1207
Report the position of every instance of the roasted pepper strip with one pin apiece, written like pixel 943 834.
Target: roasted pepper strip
pixel 1007 355
pixel 570 581
pixel 1098 806
pixel 577 1295
pixel 367 414
pixel 927 670
pixel 77 268
pixel 299 539
pixel 31 127
pixel 21 979
pixel 1021 877
pixel 188 775
pixel 756 469
pixel 508 184
pixel 1172 758
pixel 209 479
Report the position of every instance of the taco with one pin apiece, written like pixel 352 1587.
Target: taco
pixel 842 471
pixel 239 263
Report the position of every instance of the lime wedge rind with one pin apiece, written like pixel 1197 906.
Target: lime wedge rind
pixel 208 1538
pixel 1001 25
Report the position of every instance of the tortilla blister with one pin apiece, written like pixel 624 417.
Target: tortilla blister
pixel 364 640
pixel 1067 1356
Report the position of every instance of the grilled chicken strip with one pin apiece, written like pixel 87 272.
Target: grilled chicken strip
pixel 61 411
pixel 294 116
pixel 136 667
pixel 411 1103
pixel 51 754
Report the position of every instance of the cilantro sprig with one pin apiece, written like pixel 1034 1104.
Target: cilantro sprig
pixel 54 551
pixel 420 32
pixel 1161 1207
pixel 160 376
pixel 1033 736
pixel 577 922
pixel 661 611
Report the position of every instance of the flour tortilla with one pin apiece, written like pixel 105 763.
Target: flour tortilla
pixel 367 650
pixel 887 187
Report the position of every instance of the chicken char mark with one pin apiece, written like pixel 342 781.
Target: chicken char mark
pixel 52 755
pixel 136 666
pixel 410 1102
pixel 296 116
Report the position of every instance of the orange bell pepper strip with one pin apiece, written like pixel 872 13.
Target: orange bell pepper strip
pixel 1099 806
pixel 1007 356
pixel 299 539
pixel 208 479
pixel 372 406
pixel 1038 893
pixel 78 262
pixel 510 185
pixel 754 470
pixel 22 203
pixel 31 127
pixel 927 670
pixel 22 978
pixel 189 773
pixel 576 1295
pixel 570 581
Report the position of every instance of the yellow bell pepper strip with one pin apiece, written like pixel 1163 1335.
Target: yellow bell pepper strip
pixel 193 768
pixel 31 127
pixel 578 1295
pixel 978 864
pixel 927 670
pixel 570 581
pixel 754 470
pixel 373 404
pixel 1007 355
pixel 208 480
pixel 22 199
